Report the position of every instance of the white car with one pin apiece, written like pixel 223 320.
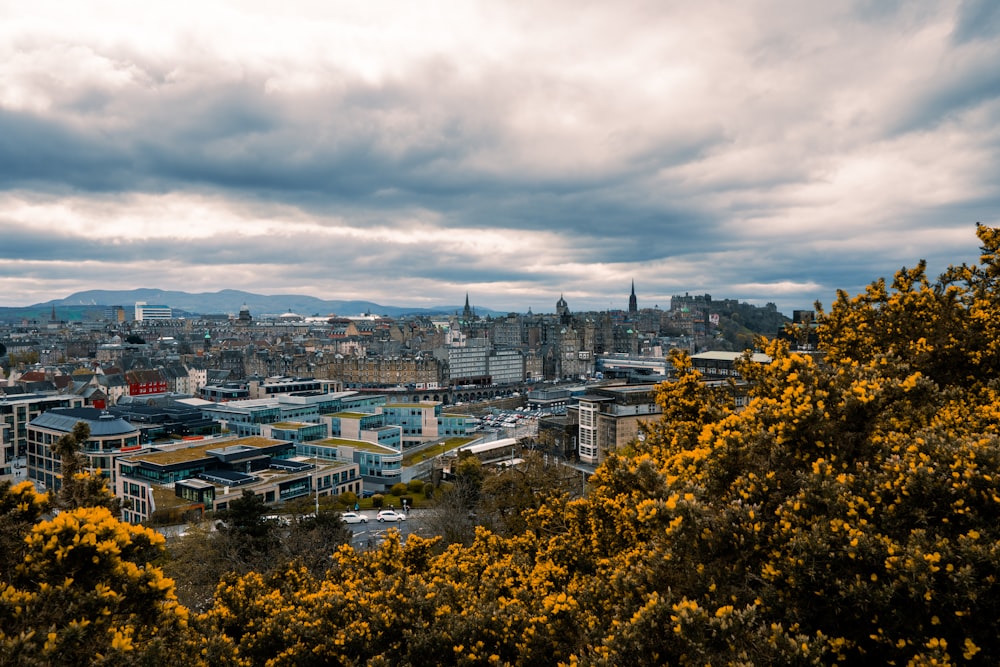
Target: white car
pixel 391 515
pixel 353 517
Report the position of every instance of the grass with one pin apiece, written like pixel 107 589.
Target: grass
pixel 435 450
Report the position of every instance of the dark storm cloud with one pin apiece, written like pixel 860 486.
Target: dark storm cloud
pixel 772 147
pixel 47 154
pixel 357 142
pixel 977 20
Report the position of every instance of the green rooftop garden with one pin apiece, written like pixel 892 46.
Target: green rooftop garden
pixel 435 450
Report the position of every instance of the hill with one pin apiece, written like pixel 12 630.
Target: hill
pixel 91 304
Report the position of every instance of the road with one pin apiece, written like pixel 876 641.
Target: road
pixel 365 535
pixel 370 535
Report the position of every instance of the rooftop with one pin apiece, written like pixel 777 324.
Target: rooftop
pixel 101 423
pixel 363 445
pixel 203 451
pixel 289 426
pixel 758 357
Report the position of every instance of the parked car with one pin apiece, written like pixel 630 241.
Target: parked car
pixel 391 515
pixel 353 517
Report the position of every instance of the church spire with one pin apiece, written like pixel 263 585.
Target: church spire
pixel 633 306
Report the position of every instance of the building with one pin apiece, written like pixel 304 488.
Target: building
pixel 453 424
pixel 17 411
pixel 287 385
pixel 169 420
pixel 418 421
pixel 468 365
pixel 722 365
pixel 223 393
pixel 145 312
pixel 245 418
pixel 10 468
pixel 110 437
pixel 379 466
pixel 608 418
pixel 114 314
pixel 145 382
pixel 505 366
pixel 210 475
pixel 360 370
pixel 295 431
pixel 626 366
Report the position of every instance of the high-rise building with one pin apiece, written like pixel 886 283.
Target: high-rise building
pixel 145 311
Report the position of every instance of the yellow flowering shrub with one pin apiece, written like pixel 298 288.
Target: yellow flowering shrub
pixel 85 592
pixel 848 514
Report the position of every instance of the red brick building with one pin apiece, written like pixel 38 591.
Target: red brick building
pixel 143 383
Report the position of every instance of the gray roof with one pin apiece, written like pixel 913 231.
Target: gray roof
pixel 101 423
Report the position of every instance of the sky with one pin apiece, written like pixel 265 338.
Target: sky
pixel 411 153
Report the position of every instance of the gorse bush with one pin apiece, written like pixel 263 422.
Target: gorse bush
pixel 849 513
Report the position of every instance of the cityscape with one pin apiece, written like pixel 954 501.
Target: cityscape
pixel 331 388
pixel 504 334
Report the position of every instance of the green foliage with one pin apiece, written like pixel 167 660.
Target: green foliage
pixel 378 500
pixel 415 486
pixel 398 489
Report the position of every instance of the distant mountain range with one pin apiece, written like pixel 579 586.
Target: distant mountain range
pixel 91 304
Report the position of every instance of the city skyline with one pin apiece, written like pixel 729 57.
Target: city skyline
pixel 405 154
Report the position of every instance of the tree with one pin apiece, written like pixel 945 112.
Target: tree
pixel 80 487
pixel 248 541
pixel 508 494
pixel 20 509
pixel 86 593
pixel 454 513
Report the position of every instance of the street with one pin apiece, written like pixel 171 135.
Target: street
pixel 370 535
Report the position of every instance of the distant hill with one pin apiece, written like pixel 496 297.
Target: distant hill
pixel 91 304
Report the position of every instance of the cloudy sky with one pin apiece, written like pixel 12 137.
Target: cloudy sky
pixel 409 153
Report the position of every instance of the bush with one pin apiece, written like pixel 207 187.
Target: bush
pixel 398 489
pixel 415 486
pixel 378 500
pixel 348 498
